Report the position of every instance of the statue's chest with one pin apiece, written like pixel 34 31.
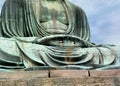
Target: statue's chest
pixel 52 15
pixel 50 10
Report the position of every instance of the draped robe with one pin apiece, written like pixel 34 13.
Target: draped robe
pixel 19 19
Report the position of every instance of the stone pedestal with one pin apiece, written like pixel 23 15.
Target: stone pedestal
pixel 61 78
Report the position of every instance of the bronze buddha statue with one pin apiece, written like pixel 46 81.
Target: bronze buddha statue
pixel 50 34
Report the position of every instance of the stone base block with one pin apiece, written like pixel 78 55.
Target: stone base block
pixel 69 73
pixel 105 73
pixel 61 78
pixel 19 75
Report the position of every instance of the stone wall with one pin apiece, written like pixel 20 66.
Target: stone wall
pixel 61 78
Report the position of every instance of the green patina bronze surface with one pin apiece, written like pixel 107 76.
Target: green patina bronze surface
pixel 38 34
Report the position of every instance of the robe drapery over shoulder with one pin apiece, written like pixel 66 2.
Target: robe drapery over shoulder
pixel 18 19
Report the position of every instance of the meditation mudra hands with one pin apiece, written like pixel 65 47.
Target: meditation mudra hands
pixel 63 41
pixel 58 40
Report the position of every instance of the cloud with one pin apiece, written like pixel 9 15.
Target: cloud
pixel 104 19
pixel 1 3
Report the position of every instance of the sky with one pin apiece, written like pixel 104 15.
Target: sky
pixel 103 17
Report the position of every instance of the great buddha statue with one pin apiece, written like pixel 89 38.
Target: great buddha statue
pixel 38 34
